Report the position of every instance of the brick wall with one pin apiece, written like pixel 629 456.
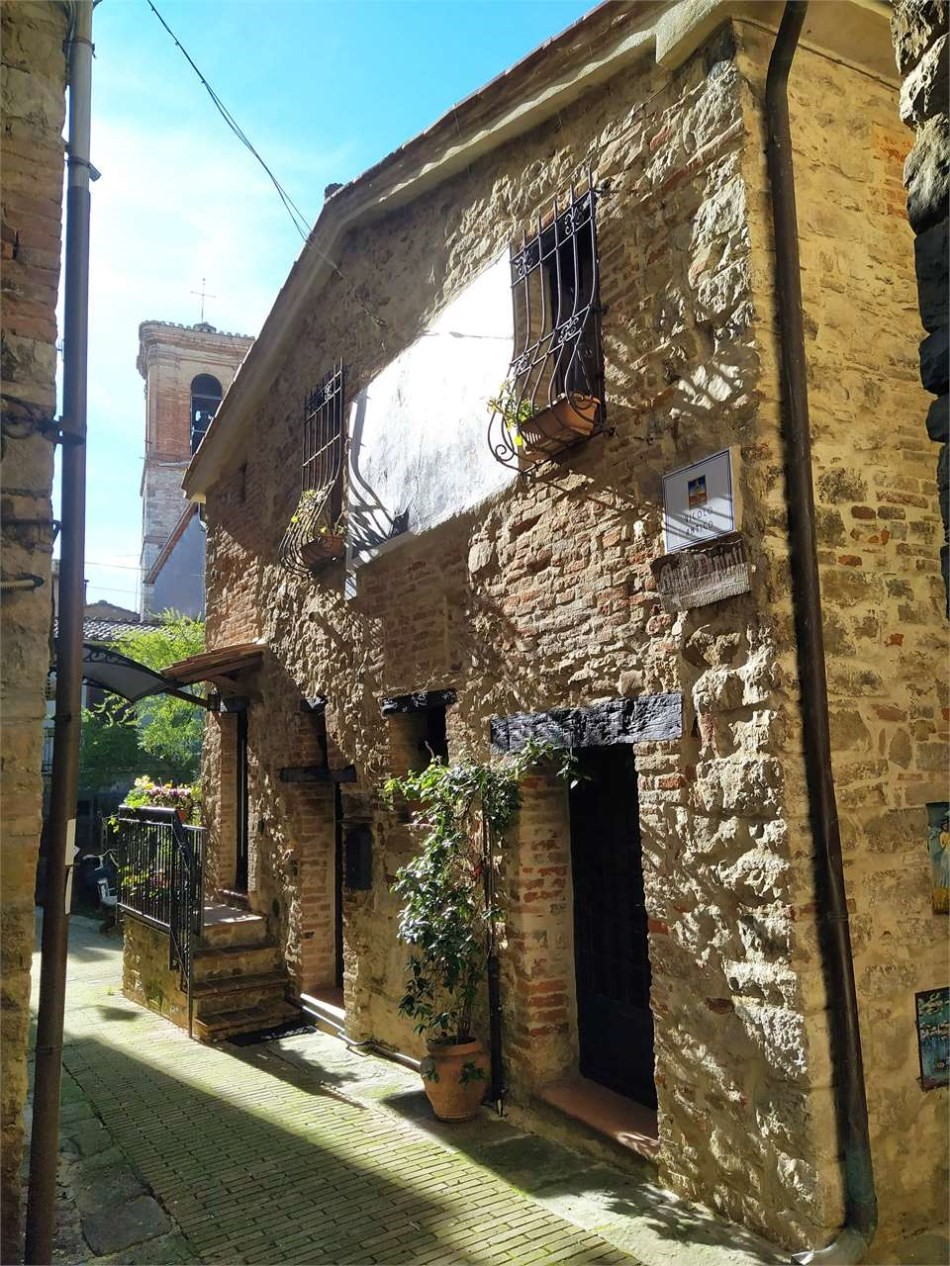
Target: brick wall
pixel 33 110
pixel 545 597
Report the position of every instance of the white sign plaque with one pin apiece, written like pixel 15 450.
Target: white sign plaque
pixel 700 501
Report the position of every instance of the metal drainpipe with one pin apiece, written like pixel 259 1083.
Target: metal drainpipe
pixel 860 1222
pixel 44 1147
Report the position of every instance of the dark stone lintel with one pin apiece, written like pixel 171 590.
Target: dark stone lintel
pixel 647 719
pixel 317 773
pixel 317 704
pixel 418 702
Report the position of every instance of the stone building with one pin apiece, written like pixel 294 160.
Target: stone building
pixel 186 369
pixel 33 108
pixel 594 227
pixel 920 30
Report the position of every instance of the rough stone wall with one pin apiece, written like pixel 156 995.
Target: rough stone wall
pixel 920 30
pixel 146 977
pixel 545 598
pixel 32 103
pixel 885 636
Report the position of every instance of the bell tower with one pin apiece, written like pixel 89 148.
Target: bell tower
pixel 187 369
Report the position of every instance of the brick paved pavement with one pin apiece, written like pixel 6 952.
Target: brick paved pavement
pixel 304 1151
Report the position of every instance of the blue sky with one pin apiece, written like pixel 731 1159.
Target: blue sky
pixel 324 89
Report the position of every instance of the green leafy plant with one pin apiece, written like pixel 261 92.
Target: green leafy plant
pixel 514 410
pixel 168 729
pixel 448 913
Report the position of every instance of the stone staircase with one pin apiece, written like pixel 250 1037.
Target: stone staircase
pixel 240 985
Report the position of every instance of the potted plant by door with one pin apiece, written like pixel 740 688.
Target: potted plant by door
pixel 448 914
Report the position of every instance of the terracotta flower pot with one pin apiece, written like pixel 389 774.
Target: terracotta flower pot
pixel 323 548
pixel 567 421
pixel 452 1098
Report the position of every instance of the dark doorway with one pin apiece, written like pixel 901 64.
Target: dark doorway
pixel 615 1025
pixel 241 806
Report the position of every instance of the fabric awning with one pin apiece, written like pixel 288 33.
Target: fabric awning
pixel 220 667
pixel 123 676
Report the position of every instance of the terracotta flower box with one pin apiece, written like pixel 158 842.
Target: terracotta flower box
pixel 567 421
pixel 323 548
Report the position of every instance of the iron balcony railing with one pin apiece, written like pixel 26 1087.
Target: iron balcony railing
pixel 553 396
pixel 160 863
pixel 314 535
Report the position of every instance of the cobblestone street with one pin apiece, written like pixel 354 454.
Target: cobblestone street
pixel 301 1150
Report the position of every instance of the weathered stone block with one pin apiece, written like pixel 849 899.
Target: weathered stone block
pixel 927 174
pixel 933 275
pixel 924 91
pixel 938 420
pixel 935 362
pixel 915 25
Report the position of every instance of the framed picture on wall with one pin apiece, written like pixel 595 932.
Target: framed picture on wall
pixel 933 1036
pixel 938 845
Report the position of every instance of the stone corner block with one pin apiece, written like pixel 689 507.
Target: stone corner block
pixel 915 26
pixel 938 420
pixel 935 362
pixel 927 174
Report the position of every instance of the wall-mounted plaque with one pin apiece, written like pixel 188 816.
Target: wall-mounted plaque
pixel 708 573
pixel 933 1036
pixel 938 845
pixel 700 502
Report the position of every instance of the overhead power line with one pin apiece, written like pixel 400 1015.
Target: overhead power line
pixel 296 215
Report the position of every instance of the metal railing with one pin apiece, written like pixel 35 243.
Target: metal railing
pixel 160 862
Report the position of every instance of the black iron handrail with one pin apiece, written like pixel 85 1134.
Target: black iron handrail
pixel 160 862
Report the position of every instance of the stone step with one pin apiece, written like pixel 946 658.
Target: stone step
pixel 329 1017
pixel 226 925
pixel 224 1024
pixel 213 996
pixel 222 962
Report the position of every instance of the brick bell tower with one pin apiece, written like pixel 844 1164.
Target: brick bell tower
pixel 187 369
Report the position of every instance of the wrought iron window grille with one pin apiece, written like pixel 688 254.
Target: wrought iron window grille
pixel 553 395
pixel 315 533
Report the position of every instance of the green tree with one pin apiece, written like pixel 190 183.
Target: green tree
pixel 167 729
pixel 109 753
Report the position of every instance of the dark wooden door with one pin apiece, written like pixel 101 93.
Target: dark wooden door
pixel 615 1025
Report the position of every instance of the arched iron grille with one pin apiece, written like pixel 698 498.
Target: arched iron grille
pixel 315 528
pixel 553 396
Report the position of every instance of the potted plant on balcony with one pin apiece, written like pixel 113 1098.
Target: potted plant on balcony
pixel 319 542
pixel 536 434
pixel 449 914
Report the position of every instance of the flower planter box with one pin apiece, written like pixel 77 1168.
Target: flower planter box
pixel 568 421
pixel 324 548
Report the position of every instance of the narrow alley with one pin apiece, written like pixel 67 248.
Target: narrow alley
pixel 301 1150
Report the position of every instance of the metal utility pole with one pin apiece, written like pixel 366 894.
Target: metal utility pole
pixel 44 1148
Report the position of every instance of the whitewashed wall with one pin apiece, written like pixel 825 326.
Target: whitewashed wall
pixel 418 432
